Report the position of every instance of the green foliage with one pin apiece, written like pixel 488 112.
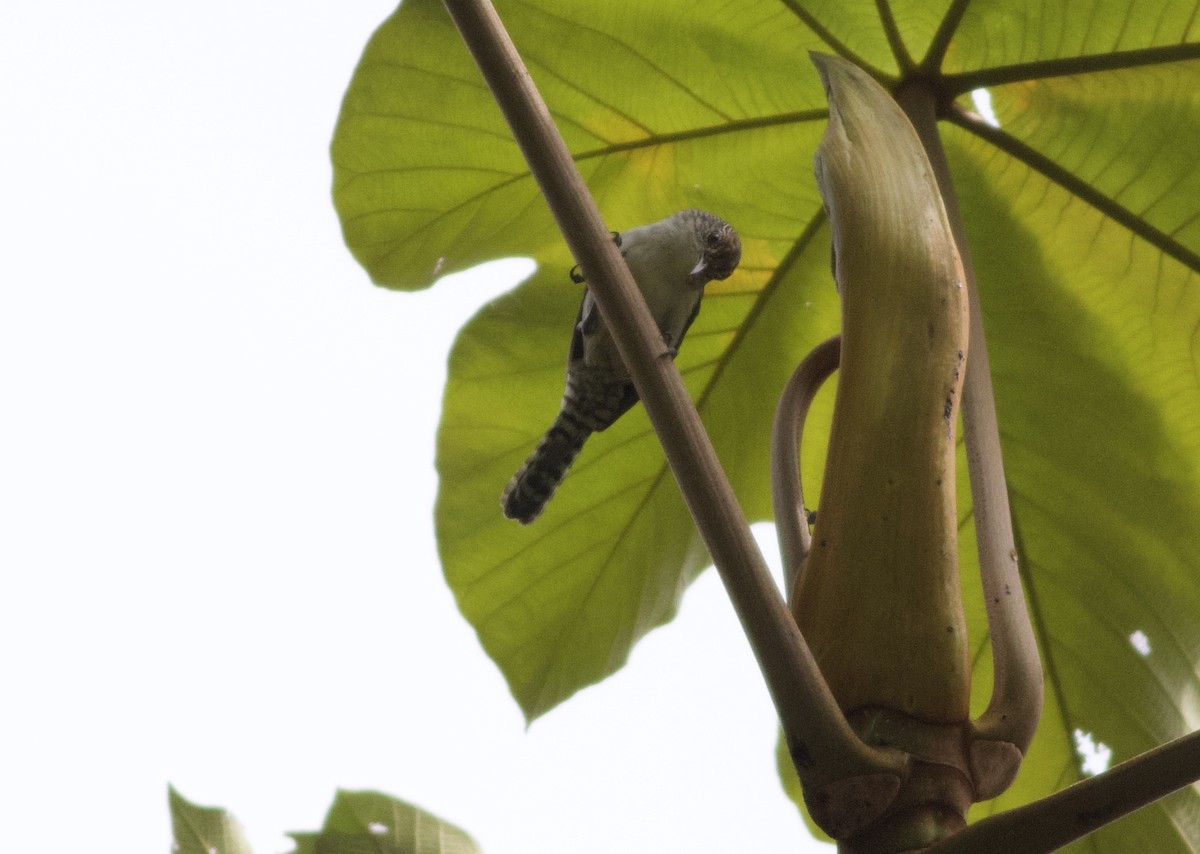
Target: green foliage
pixel 1083 211
pixel 374 823
pixel 357 823
pixel 203 830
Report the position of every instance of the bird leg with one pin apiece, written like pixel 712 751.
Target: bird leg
pixel 577 276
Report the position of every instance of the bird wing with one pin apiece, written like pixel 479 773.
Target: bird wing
pixel 585 324
pixel 686 326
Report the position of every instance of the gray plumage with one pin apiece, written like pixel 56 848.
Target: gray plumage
pixel 671 261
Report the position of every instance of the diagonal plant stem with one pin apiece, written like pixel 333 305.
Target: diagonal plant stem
pixel 822 743
pixel 1061 818
pixel 1016 704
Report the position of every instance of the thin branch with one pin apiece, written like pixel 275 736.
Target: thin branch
pixel 787 492
pixel 1053 678
pixel 1016 704
pixel 824 746
pixel 1088 805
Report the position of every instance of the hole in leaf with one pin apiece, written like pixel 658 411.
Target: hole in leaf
pixel 1140 642
pixel 1095 756
pixel 983 105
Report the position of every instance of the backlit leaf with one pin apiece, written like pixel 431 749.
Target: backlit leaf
pixel 1083 214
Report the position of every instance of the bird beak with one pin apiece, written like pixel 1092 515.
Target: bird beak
pixel 699 268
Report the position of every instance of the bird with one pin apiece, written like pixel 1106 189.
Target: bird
pixel 671 260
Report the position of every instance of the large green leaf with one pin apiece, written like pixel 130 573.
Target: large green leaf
pixel 1083 213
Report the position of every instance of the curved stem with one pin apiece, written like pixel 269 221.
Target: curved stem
pixel 1016 704
pixel 787 491
pixel 822 743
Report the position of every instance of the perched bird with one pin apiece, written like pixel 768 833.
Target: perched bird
pixel 671 261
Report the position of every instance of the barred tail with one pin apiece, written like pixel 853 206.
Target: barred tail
pixel 531 487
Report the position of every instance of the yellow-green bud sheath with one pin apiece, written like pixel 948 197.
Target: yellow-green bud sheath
pixel 878 600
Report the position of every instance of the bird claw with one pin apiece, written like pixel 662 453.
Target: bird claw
pixel 577 275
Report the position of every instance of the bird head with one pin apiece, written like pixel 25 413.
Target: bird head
pixel 721 252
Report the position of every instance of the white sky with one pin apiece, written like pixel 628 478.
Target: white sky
pixel 216 485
